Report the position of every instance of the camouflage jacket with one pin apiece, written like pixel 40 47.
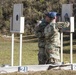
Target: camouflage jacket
pixel 52 35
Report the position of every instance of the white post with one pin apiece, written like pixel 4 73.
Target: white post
pixel 61 46
pixel 71 38
pixel 20 58
pixel 12 52
pixel 71 48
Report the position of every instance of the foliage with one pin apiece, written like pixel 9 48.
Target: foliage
pixel 33 11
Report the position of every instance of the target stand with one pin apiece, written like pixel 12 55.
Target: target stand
pixel 17 26
pixel 71 40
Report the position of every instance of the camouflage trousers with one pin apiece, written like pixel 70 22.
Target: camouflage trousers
pixel 52 54
pixel 48 53
pixel 42 56
pixel 42 53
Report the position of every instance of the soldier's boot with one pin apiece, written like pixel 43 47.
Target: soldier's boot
pixel 56 61
pixel 41 59
pixel 50 61
pixel 41 62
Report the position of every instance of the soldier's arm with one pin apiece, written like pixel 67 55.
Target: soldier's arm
pixel 62 24
pixel 48 31
pixel 38 29
pixel 37 26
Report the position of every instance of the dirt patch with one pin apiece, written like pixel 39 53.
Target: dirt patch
pixel 49 72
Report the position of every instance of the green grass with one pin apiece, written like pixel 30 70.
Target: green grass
pixel 29 55
pixel 67 51
pixel 30 51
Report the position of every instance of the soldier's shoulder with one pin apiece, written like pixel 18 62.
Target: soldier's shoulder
pixel 43 21
pixel 39 22
pixel 49 27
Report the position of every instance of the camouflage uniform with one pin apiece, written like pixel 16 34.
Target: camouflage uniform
pixel 52 37
pixel 39 31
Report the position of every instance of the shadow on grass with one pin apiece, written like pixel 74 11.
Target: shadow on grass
pixel 66 38
pixel 30 41
pixel 29 37
pixel 68 43
pixel 68 51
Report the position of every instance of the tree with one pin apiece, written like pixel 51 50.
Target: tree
pixel 33 11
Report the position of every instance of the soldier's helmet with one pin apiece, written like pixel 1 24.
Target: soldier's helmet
pixel 51 14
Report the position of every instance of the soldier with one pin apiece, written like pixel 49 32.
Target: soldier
pixel 52 38
pixel 48 39
pixel 39 31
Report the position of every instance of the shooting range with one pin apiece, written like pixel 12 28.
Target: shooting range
pixel 17 27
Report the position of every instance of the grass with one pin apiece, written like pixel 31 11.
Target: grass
pixel 30 50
